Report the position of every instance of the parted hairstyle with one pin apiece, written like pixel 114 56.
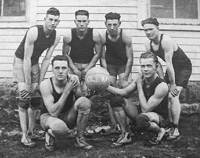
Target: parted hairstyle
pixel 149 54
pixel 53 11
pixel 59 58
pixel 82 12
pixel 150 20
pixel 112 16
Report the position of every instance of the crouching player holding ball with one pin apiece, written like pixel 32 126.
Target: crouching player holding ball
pixel 153 98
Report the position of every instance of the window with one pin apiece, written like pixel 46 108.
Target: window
pixel 174 9
pixel 12 8
pixel 172 14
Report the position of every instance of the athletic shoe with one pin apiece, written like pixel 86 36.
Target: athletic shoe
pixel 27 142
pixel 49 142
pixel 122 140
pixel 81 143
pixel 173 134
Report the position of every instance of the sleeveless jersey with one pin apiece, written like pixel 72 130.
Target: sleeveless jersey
pixel 162 108
pixel 115 51
pixel 82 50
pixel 41 44
pixel 179 58
pixel 68 103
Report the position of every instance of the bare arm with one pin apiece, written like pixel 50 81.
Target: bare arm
pixel 148 105
pixel 167 45
pixel 103 53
pixel 28 52
pixel 47 58
pixel 46 91
pixel 129 54
pixel 123 92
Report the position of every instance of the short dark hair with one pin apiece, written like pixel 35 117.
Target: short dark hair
pixel 53 11
pixel 112 16
pixel 82 12
pixel 150 20
pixel 59 58
pixel 149 54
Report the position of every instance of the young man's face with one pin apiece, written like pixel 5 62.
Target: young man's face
pixel 112 26
pixel 151 31
pixel 148 67
pixel 51 21
pixel 81 22
pixel 60 69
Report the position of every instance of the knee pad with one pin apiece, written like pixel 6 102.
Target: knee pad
pixel 117 101
pixel 142 122
pixel 83 105
pixel 23 103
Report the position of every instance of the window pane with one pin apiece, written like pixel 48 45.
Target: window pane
pixel 187 9
pixel 162 8
pixel 14 8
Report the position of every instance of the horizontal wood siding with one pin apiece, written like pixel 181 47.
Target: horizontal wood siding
pixel 10 38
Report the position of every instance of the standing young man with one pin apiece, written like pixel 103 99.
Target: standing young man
pixel 153 99
pixel 61 111
pixel 38 38
pixel 179 68
pixel 117 55
pixel 82 46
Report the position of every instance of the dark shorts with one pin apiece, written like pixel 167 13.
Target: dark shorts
pixel 181 76
pixel 115 70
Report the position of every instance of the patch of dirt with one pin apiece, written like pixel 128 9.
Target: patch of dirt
pixel 188 146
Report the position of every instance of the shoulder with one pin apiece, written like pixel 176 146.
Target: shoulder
pixel 96 35
pixel 125 37
pixel 45 85
pixel 67 35
pixel 161 89
pixel 167 41
pixel 32 33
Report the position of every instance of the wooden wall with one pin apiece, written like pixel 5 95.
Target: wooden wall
pixel 11 37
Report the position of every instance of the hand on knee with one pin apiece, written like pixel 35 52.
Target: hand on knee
pixel 142 122
pixel 83 105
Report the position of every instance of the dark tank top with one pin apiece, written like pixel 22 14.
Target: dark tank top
pixel 115 51
pixel 68 103
pixel 82 50
pixel 41 44
pixel 162 108
pixel 179 58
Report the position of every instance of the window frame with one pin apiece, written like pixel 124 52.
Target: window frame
pixel 20 21
pixel 168 23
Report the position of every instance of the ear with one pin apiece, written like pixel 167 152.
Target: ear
pixel 120 23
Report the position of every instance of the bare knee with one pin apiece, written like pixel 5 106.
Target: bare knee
pixel 83 105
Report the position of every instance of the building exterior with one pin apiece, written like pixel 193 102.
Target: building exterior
pixel 179 18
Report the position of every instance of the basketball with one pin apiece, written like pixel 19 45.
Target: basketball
pixel 97 78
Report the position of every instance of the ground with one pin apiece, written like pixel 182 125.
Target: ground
pixel 188 146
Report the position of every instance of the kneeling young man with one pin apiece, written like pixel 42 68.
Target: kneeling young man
pixel 153 99
pixel 61 111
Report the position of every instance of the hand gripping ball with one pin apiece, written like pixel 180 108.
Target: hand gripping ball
pixel 97 78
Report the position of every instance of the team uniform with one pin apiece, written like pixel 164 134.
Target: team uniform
pixel 115 55
pixel 63 114
pixel 161 110
pixel 181 63
pixel 42 43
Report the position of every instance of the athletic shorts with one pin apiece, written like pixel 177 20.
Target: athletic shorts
pixel 115 70
pixel 181 76
pixel 18 71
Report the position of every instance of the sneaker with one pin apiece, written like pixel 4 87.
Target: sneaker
pixel 27 142
pixel 122 140
pixel 81 143
pixel 173 134
pixel 49 142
